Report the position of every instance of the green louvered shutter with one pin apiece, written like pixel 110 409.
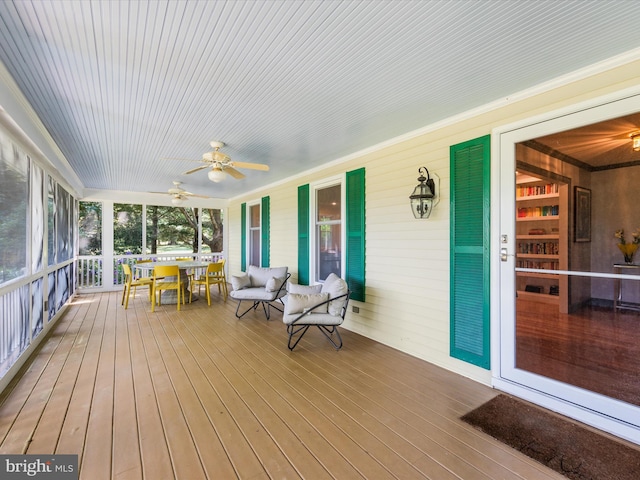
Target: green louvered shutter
pixel 355 194
pixel 470 216
pixel 264 230
pixel 243 237
pixel 303 234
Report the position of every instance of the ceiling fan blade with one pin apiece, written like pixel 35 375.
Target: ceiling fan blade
pixel 253 166
pixel 234 173
pixel 189 194
pixel 193 170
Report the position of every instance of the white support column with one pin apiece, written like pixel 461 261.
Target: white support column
pixel 107 245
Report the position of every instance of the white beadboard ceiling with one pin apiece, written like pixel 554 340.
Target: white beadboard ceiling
pixel 121 86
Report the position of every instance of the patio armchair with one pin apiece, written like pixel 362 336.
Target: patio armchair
pixel 260 286
pixel 323 306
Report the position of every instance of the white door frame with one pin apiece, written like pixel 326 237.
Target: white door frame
pixel 602 412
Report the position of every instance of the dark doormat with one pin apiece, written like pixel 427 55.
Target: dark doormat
pixel 568 448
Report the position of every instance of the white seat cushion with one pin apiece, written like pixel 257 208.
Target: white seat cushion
pixel 335 287
pixel 260 276
pixel 295 288
pixel 300 302
pixel 256 293
pixel 238 282
pixel 313 319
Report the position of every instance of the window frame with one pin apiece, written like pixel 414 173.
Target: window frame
pixel 314 187
pixel 254 203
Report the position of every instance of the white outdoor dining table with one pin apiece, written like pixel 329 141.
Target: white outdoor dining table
pixel 170 296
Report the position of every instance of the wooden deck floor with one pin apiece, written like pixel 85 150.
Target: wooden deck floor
pixel 201 395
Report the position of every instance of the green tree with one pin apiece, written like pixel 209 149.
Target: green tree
pixel 127 229
pixel 90 228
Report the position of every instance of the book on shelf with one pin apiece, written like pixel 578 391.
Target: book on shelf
pixel 538 248
pixel 534 190
pixel 551 264
pixel 541 211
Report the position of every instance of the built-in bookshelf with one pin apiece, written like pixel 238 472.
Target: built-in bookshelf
pixel 541 239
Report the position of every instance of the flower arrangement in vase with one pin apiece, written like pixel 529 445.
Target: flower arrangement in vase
pixel 628 249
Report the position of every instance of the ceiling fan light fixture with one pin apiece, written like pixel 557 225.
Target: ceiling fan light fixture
pixel 177 200
pixel 635 139
pixel 216 175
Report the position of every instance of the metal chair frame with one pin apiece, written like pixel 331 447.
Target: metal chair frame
pixel 298 327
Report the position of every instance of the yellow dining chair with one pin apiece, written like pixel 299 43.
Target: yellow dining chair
pixel 190 275
pixel 161 281
pixel 213 276
pixel 129 282
pixel 223 277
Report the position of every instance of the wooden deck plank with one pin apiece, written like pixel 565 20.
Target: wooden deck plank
pixel 199 394
pixel 214 458
pixel 97 452
pixel 74 428
pixel 289 427
pixel 353 371
pixel 46 436
pixel 319 410
pixel 127 462
pixel 21 433
pixel 207 381
pixel 182 451
pixel 234 391
pixel 20 388
pixel 154 452
pixel 311 397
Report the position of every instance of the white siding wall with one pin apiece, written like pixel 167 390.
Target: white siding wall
pixel 407 263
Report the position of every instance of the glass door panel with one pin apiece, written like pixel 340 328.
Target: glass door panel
pixel 571 329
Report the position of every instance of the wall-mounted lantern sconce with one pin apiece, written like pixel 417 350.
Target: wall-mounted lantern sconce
pixel 635 138
pixel 424 198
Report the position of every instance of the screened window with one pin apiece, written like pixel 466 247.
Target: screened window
pixel 212 230
pixel 127 229
pixel 37 218
pixel 90 228
pixel 172 230
pixel 14 209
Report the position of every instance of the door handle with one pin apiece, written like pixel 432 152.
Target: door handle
pixel 504 253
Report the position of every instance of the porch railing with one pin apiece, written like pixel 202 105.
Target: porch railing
pixel 91 273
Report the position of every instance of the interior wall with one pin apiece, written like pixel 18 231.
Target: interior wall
pixel 579 252
pixel 614 206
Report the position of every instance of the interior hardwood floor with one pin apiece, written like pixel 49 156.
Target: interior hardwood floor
pixel 594 348
pixel 199 394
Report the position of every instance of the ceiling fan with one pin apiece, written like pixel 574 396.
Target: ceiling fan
pixel 179 194
pixel 221 164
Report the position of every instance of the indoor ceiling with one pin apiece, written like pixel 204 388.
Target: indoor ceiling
pixel 125 87
pixel 600 145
